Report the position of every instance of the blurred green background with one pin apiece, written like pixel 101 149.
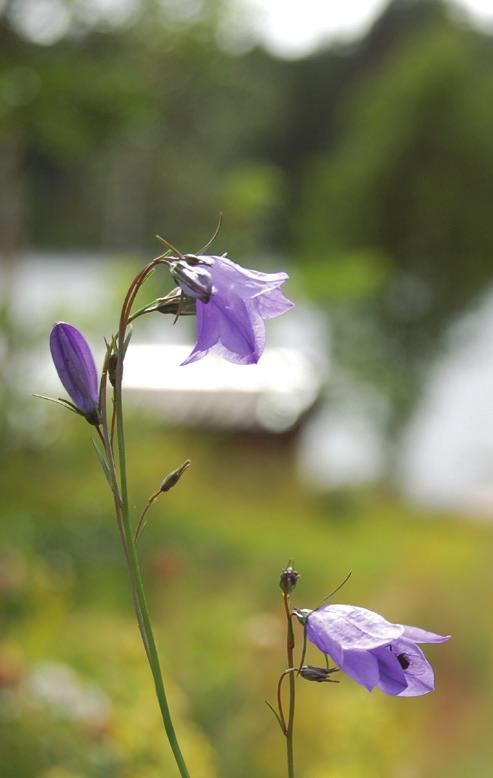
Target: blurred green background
pixel 366 170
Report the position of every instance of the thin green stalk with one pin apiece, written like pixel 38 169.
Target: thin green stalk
pixel 292 688
pixel 135 574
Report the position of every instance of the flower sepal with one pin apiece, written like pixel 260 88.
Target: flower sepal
pixel 60 401
pixel 302 615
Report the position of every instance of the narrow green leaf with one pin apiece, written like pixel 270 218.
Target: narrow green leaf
pixel 276 714
pixel 60 401
pixel 104 464
pixel 127 339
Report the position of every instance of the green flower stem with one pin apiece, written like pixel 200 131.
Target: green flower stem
pixel 142 609
pixel 292 687
pixel 106 440
pixel 120 495
pixel 134 567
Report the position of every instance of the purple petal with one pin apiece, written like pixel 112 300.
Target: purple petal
pixel 392 678
pixel 232 329
pixel 345 627
pixel 207 331
pixel 362 666
pixel 271 304
pixel 75 366
pixel 419 673
pixel 418 635
pixel 244 281
pixel 241 331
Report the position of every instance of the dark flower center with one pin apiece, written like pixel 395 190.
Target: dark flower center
pixel 403 661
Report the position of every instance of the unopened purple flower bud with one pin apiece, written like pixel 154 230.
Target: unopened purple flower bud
pixel 289 579
pixel 195 281
pixel 76 369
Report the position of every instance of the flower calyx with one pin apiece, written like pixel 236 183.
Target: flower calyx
pixel 302 615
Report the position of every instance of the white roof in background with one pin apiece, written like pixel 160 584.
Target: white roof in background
pixel 272 394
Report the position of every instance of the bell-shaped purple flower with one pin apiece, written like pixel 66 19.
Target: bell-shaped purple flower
pixel 76 369
pixel 372 650
pixel 231 321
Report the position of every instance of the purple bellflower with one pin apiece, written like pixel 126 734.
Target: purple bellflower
pixel 371 650
pixel 76 369
pixel 232 303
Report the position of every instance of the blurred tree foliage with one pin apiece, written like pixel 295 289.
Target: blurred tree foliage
pixel 369 165
pixel 398 206
pixel 124 132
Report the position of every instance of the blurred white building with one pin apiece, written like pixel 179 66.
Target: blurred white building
pixel 447 451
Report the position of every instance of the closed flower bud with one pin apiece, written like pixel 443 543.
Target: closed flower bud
pixel 112 363
pixel 76 369
pixel 289 579
pixel 173 477
pixel 318 674
pixel 175 304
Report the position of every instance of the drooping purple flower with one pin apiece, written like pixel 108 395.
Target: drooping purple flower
pixel 372 650
pixel 76 369
pixel 231 320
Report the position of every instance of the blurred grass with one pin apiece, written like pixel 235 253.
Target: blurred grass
pixel 211 557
